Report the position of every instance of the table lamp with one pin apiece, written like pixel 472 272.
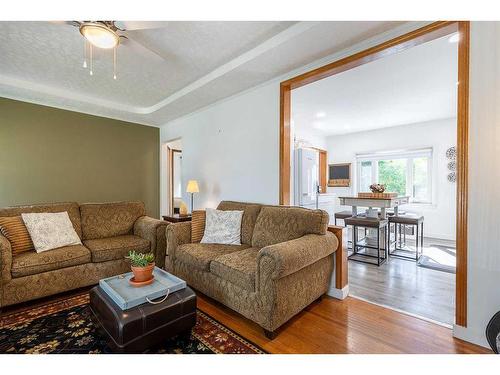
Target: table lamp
pixel 192 187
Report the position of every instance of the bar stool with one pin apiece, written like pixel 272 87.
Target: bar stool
pixel 342 215
pixel 381 225
pixel 390 212
pixel 400 223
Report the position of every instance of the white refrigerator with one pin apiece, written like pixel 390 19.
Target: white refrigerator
pixel 306 179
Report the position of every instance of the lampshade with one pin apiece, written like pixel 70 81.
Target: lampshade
pixel 192 187
pixel 99 35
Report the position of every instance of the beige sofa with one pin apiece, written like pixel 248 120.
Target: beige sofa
pixel 108 232
pixel 284 263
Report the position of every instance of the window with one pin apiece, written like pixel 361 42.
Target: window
pixel 403 172
pixel 365 176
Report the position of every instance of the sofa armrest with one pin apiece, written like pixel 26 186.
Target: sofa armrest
pixel 176 234
pixel 282 259
pixel 5 260
pixel 153 230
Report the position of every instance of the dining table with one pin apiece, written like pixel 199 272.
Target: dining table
pixel 383 203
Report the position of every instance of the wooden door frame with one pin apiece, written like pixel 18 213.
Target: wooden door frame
pixel 170 162
pixel 424 34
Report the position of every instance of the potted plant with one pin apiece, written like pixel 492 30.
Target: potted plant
pixel 142 265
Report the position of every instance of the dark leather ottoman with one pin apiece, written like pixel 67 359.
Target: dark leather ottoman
pixel 137 329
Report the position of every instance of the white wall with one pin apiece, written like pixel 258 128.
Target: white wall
pixel 241 162
pixel 440 135
pixel 483 292
pixel 232 148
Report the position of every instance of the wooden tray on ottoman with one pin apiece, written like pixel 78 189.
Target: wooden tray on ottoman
pixel 142 327
pixel 127 296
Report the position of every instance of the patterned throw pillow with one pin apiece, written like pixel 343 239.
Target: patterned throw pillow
pixel 222 227
pixel 197 225
pixel 15 231
pixel 50 230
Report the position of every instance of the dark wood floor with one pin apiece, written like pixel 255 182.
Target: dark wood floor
pixel 349 326
pixel 332 326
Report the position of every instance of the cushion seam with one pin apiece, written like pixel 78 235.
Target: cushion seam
pixel 47 264
pixel 112 248
pixel 241 273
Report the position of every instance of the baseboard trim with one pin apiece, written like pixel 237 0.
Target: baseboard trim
pixel 339 293
pixel 466 334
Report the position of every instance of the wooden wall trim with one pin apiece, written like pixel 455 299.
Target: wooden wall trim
pixel 411 39
pixel 462 172
pixel 341 267
pixel 424 34
pixel 285 148
pixel 323 169
pixel 170 195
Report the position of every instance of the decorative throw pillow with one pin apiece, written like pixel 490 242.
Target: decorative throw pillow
pixel 197 225
pixel 15 231
pixel 50 230
pixel 222 227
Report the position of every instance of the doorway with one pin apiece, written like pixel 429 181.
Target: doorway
pixel 428 33
pixel 174 176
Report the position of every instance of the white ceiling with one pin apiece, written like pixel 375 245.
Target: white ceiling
pixel 415 85
pixel 193 64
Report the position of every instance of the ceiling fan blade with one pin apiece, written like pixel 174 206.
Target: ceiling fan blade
pixel 140 25
pixel 140 49
pixel 71 23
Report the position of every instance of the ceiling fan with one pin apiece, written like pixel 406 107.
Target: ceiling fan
pixel 109 35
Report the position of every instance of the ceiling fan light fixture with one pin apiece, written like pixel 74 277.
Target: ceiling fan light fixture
pixel 99 35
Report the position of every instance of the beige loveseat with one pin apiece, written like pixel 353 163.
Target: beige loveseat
pixel 284 263
pixel 108 232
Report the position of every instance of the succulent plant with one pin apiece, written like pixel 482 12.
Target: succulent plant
pixel 140 259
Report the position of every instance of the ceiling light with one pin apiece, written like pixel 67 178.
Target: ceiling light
pixel 454 38
pixel 320 115
pixel 99 35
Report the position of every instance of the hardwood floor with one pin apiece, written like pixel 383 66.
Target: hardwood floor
pixel 330 326
pixel 348 326
pixel 403 285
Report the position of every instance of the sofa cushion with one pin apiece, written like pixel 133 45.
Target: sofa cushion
pixel 277 224
pixel 199 255
pixel 15 231
pixel 31 263
pixel 71 208
pixel 250 213
pixel 113 248
pixel 222 227
pixel 198 219
pixel 103 220
pixel 238 268
pixel 50 230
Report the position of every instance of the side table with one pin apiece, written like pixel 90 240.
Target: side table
pixel 176 218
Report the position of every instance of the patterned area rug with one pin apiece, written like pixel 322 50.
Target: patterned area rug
pixel 67 327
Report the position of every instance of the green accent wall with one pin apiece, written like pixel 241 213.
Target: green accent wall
pixel 54 155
